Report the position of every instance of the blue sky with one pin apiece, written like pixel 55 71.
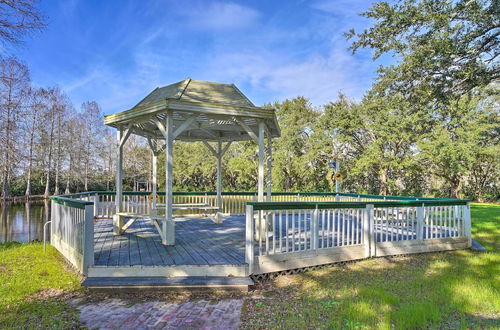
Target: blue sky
pixel 115 52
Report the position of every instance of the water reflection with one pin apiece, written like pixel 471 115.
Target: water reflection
pixel 23 222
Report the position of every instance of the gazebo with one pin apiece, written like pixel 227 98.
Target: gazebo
pixel 192 110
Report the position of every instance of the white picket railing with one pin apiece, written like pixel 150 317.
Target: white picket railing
pixel 293 230
pixel 72 231
pixel 280 234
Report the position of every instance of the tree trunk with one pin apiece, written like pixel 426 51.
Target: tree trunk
pixel 49 158
pixel 383 181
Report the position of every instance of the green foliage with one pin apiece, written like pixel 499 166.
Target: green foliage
pixel 446 48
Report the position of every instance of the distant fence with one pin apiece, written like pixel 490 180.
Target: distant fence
pixel 293 230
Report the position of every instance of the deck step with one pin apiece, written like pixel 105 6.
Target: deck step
pixel 190 282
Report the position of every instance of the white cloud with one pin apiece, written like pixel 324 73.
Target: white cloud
pixel 317 77
pixel 220 16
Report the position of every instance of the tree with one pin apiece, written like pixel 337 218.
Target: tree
pixel 14 82
pixel 19 18
pixel 445 48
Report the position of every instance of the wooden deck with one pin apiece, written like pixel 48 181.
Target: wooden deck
pixel 198 242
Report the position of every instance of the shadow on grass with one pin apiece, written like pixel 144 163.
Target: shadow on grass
pixel 455 289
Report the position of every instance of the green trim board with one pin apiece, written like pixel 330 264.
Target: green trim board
pixel 269 206
pixel 76 203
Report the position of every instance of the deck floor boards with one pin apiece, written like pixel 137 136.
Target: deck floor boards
pixel 198 242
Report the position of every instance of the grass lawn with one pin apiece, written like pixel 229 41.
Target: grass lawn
pixel 459 289
pixel 34 286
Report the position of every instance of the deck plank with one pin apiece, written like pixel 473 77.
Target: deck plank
pixel 198 242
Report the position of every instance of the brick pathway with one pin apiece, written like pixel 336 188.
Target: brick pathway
pixel 202 314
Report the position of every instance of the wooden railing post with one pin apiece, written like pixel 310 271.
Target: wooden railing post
pixel 88 239
pixel 420 222
pixel 315 229
pixel 96 204
pixel 368 229
pixel 249 239
pixel 467 226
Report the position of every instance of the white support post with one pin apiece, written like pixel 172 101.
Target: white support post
pixel 269 165
pixel 420 222
pixel 168 226
pixel 88 239
pixel 117 220
pixel 367 229
pixel 249 239
pixel 372 232
pixel 467 219
pixel 96 204
pixel 154 179
pixel 218 216
pixel 260 180
pixel 315 229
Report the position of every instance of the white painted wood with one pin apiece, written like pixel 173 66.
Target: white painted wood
pixel 249 238
pixel 188 122
pixel 219 175
pixel 168 226
pixel 247 128
pixel 300 259
pixel 88 239
pixel 260 179
pixel 119 173
pixel 315 230
pixel 172 271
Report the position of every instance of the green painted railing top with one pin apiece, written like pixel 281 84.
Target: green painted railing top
pixel 385 201
pixel 340 205
pixel 76 203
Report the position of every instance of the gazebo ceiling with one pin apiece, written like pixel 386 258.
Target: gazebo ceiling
pixel 202 111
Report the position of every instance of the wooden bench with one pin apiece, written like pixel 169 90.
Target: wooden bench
pixel 119 224
pixel 204 207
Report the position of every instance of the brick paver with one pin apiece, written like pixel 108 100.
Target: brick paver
pixel 202 314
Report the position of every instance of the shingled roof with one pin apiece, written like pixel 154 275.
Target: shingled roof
pixel 217 106
pixel 198 91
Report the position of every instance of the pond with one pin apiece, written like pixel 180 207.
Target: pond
pixel 23 221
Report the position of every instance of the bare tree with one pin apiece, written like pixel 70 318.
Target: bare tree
pixel 19 18
pixel 14 84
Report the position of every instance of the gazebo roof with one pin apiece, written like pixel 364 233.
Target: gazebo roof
pixel 202 111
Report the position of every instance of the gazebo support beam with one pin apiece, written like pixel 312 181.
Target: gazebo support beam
pixel 122 138
pixel 260 179
pixel 168 226
pixel 219 153
pixel 247 129
pixel 155 151
pixel 269 164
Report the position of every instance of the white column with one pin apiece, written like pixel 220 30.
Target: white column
pixel 154 179
pixel 168 226
pixel 269 166
pixel 260 180
pixel 219 175
pixel 119 173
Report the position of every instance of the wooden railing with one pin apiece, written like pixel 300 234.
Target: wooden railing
pixel 72 230
pixel 233 203
pixel 293 230
pixel 289 235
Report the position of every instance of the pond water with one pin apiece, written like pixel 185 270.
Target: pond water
pixel 23 221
